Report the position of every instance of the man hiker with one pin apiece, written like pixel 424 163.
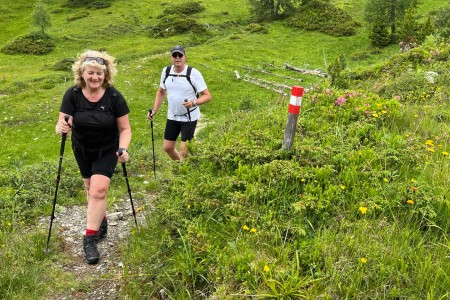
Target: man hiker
pixel 186 91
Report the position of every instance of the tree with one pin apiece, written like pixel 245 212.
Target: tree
pixel 379 35
pixel 386 12
pixel 41 17
pixel 273 9
pixel 408 26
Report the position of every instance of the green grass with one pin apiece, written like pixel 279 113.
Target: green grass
pixel 241 218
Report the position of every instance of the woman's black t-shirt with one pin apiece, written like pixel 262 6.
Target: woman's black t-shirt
pixel 94 123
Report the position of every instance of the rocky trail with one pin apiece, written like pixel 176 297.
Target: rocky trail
pixel 101 281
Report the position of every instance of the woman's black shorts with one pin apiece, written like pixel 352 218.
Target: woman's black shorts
pixel 95 161
pixel 173 129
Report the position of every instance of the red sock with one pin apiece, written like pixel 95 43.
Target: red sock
pixel 104 218
pixel 90 232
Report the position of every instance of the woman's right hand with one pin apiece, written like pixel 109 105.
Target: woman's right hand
pixel 62 126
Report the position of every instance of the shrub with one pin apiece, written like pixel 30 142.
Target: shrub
pixel 255 27
pixel 174 25
pixel 184 9
pixel 88 4
pixel 38 43
pixel 64 65
pixel 324 17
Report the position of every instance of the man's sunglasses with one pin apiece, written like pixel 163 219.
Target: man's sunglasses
pixel 176 54
pixel 99 60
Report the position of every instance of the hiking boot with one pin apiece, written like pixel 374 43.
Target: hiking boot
pixel 102 231
pixel 90 249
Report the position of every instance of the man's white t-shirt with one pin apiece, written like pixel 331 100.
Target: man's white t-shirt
pixel 178 89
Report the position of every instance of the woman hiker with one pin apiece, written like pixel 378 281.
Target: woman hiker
pixel 100 133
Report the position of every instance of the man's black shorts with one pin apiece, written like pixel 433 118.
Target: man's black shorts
pixel 173 129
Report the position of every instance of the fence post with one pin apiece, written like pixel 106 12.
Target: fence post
pixel 295 104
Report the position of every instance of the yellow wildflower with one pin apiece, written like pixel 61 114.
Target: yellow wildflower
pixel 363 260
pixel 445 153
pixel 363 209
pixel 429 143
pixel 245 227
pixel 375 115
pixel 385 180
pixel 410 202
pixel 413 180
pixel 253 230
pixel 342 187
pixel 431 149
pixel 266 268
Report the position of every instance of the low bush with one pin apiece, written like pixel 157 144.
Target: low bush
pixel 175 25
pixel 37 43
pixel 183 9
pixel 324 17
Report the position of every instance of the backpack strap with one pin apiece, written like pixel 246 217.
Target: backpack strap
pixel 188 77
pixel 113 98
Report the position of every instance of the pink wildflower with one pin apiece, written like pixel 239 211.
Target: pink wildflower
pixel 340 101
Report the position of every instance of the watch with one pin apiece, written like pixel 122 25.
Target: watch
pixel 121 150
pixel 194 102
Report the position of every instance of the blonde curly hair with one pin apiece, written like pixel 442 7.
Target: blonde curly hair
pixel 109 67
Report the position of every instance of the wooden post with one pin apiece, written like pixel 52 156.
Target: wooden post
pixel 295 104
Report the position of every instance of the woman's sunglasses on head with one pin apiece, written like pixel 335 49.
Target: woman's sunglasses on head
pixel 99 60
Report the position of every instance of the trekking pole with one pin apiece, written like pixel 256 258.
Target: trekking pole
pixel 120 151
pixel 153 149
pixel 189 112
pixel 58 177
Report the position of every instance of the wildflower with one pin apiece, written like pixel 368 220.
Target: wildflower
pixel 385 180
pixel 379 104
pixel 303 180
pixel 429 143
pixel 363 209
pixel 375 115
pixel 188 206
pixel 245 227
pixel 413 180
pixel 415 188
pixel 340 101
pixel 384 112
pixel 363 260
pixel 431 149
pixel 266 268
pixel 397 97
pixel 410 202
pixel 253 230
pixel 445 153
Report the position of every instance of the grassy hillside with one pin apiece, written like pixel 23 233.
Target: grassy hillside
pixel 358 208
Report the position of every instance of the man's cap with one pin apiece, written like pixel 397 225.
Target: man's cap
pixel 179 49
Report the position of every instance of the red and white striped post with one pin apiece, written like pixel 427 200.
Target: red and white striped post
pixel 295 105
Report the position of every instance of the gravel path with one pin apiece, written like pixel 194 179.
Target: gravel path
pixel 102 281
